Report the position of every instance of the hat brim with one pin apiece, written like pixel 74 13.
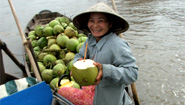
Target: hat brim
pixel 119 24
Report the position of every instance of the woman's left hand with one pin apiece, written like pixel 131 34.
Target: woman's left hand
pixel 100 73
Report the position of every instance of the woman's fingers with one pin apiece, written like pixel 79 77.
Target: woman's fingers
pixel 71 73
pixel 80 59
pixel 100 73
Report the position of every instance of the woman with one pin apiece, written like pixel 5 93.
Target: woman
pixel 112 55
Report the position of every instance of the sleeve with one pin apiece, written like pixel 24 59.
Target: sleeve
pixel 123 70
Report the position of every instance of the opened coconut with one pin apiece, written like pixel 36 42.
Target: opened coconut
pixel 65 83
pixel 84 72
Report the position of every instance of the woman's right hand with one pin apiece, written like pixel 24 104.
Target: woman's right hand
pixel 80 59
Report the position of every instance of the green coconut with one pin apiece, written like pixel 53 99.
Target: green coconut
pixel 53 83
pixel 36 53
pixel 58 29
pixel 81 35
pixel 50 51
pixel 69 56
pixel 75 85
pixel 39 30
pixel 51 41
pixel 48 31
pixel 41 66
pixel 41 56
pixel 36 48
pixel 72 44
pixel 34 43
pixel 49 60
pixel 61 55
pixel 58 18
pixel 53 23
pixel 55 47
pixel 42 42
pixel 84 73
pixel 72 25
pixel 47 75
pixel 47 25
pixel 70 32
pixel 70 64
pixel 82 39
pixel 79 46
pixel 31 33
pixel 64 19
pixel 58 70
pixel 32 37
pixel 64 25
pixel 59 61
pixel 72 79
pixel 62 40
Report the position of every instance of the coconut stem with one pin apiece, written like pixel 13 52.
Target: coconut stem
pixel 85 51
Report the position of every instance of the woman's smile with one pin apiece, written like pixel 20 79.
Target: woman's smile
pixel 98 24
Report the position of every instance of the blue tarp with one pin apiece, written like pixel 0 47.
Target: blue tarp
pixel 39 94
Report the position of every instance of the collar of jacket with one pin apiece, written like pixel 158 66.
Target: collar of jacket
pixel 99 45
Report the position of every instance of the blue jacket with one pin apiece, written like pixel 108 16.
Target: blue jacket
pixel 119 68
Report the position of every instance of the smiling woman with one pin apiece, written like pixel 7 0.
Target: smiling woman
pixel 112 55
pixel 156 32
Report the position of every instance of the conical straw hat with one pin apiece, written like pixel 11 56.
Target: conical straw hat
pixel 119 24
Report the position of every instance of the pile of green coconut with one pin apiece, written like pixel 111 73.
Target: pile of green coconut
pixel 55 45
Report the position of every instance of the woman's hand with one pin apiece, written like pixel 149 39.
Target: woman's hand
pixel 80 59
pixel 100 73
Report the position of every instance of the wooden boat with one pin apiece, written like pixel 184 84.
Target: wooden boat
pixel 43 18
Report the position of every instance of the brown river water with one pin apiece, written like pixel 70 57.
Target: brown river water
pixel 156 37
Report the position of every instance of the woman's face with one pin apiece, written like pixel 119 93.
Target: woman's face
pixel 98 24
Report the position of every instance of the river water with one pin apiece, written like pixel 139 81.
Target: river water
pixel 156 37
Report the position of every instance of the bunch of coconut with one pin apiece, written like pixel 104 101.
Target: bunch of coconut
pixel 55 45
